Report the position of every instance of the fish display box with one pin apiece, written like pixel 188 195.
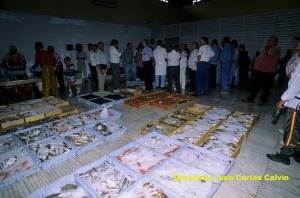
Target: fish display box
pixel 67 185
pixel 165 103
pixel 155 126
pixel 32 115
pixel 52 151
pixel 189 134
pixel 58 102
pixel 82 139
pixel 83 98
pixel 61 126
pixel 185 181
pixel 82 119
pixel 198 108
pixel 185 114
pixel 16 165
pixel 206 160
pixel 181 97
pixel 113 115
pixel 11 121
pixel 173 121
pixel 34 134
pixel 131 92
pixel 109 178
pixel 136 103
pixel 8 143
pixel 161 144
pixel 117 99
pixel 138 158
pixel 50 111
pixel 10 113
pixel 107 130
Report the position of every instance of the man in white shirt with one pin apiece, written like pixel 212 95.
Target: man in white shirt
pixel 160 55
pixel 148 62
pixel 101 67
pixel 183 65
pixel 192 66
pixel 114 56
pixel 173 69
pixel 205 55
pixel 93 64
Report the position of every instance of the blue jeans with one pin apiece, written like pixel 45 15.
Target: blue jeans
pixel 234 72
pixel 162 80
pixel 218 78
pixel 202 75
pixel 226 70
pixel 131 67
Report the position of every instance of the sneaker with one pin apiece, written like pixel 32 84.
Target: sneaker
pixel 224 93
pixel 247 101
pixel 279 157
pixel 116 91
pixel 297 157
pixel 280 131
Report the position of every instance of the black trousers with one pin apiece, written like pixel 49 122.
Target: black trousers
pixel 147 71
pixel 60 78
pixel 212 75
pixel 243 77
pixel 192 77
pixel 94 75
pixel 140 74
pixel 173 72
pixel 262 80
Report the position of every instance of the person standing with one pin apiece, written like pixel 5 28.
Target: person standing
pixel 265 67
pixel 173 69
pixel 115 55
pixel 58 67
pixel 127 59
pixel 192 66
pixel 243 64
pixel 81 57
pixel 214 75
pixel 148 62
pixel 44 59
pixel 293 62
pixel 139 62
pixel 226 64
pixel 160 55
pixel 234 68
pixel 93 59
pixel 183 65
pixel 101 66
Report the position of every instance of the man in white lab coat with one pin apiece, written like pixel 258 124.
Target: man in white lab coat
pixel 160 55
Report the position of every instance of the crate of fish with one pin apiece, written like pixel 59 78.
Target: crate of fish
pixel 58 102
pixel 189 134
pixel 32 115
pixel 237 127
pixel 149 188
pixel 138 158
pixel 161 144
pixel 8 143
pixel 107 130
pixel 137 103
pixel 106 177
pixel 50 111
pixel 34 134
pixel 112 114
pixel 117 99
pixel 173 121
pixel 198 108
pixel 155 126
pixel 16 165
pixel 62 126
pixel 11 121
pixel 246 116
pixel 86 97
pixel 165 103
pixel 206 160
pixel 34 102
pixel 131 92
pixel 52 151
pixel 182 97
pixel 82 119
pixel 65 186
pixel 184 180
pixel 185 114
pixel 82 139
pixel 99 102
pixel 9 113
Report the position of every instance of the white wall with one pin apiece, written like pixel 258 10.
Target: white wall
pixel 23 30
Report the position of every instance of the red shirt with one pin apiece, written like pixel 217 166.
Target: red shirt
pixel 267 62
pixel 43 58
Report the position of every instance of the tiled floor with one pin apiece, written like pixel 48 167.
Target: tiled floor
pixel 251 160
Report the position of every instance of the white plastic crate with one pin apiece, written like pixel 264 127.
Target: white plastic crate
pixel 93 103
pixel 156 148
pixel 61 126
pixel 139 158
pixel 222 164
pixel 56 159
pixel 113 115
pixel 82 98
pixel 82 119
pixel 8 143
pixel 90 145
pixel 116 130
pixel 109 160
pixel 115 102
pixel 16 165
pixel 55 188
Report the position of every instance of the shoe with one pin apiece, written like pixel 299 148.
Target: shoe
pixel 116 91
pixel 279 157
pixel 261 104
pixel 248 101
pixel 224 93
pixel 280 131
pixel 297 157
pixel 78 90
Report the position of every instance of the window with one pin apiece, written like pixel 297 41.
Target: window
pixel 196 1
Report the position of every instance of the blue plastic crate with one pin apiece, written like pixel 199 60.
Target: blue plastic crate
pixel 166 139
pixel 55 187
pixel 53 126
pixel 222 164
pixel 19 156
pixel 8 143
pixel 56 159
pixel 113 114
pixel 183 179
pixel 116 130
pixel 109 160
pixel 47 133
pixel 134 145
pixel 97 141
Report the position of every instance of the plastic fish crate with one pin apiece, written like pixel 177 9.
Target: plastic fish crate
pixel 10 113
pixel 178 164
pixel 111 161
pixel 22 152
pixel 116 102
pixel 114 114
pixel 98 140
pixel 181 111
pixel 11 138
pixel 57 159
pixel 74 119
pixel 136 145
pixel 12 123
pixel 135 93
pixel 129 193
pixel 83 98
pixel 120 132
pixel 49 133
pixel 92 103
pixel 203 151
pixel 163 137
pixel 193 108
pixel 170 130
pixel 55 187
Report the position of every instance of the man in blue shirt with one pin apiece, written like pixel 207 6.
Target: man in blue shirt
pixel 226 64
pixel 213 64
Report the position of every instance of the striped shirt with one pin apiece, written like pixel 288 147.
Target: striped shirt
pixel 293 90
